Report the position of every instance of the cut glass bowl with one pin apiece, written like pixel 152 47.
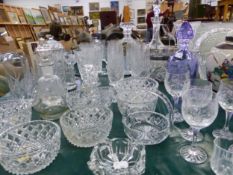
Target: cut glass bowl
pixel 117 157
pixel 14 112
pixel 30 147
pixel 136 83
pixel 132 94
pixel 146 128
pixel 88 126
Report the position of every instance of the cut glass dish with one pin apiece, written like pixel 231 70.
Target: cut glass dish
pixel 29 147
pixel 88 126
pixel 117 157
pixel 14 112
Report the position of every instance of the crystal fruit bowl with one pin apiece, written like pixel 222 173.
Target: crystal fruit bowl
pixel 88 126
pixel 30 147
pixel 117 157
pixel 14 112
pixel 146 128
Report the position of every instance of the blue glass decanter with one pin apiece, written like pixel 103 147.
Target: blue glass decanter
pixel 183 56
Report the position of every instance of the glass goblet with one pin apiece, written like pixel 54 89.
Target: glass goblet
pixel 187 134
pixel 177 81
pixel 199 111
pixel 225 99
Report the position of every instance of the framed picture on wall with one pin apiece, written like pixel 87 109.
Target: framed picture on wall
pixel 114 6
pixel 141 12
pixel 37 16
pixel 22 19
pixel 46 15
pixel 13 17
pixel 28 15
pixel 94 6
pixel 94 15
pixel 141 20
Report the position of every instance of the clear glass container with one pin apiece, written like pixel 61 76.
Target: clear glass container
pixel 88 126
pixel 183 56
pixel 221 161
pixel 50 100
pixel 118 157
pixel 29 147
pixel 149 126
pixel 14 112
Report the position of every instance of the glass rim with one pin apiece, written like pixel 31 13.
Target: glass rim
pixel 58 132
pixel 82 127
pixel 216 144
pixel 152 112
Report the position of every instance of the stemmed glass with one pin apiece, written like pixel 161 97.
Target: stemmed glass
pixel 225 99
pixel 187 134
pixel 177 81
pixel 199 109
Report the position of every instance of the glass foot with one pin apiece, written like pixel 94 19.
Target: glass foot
pixel 195 155
pixel 177 118
pixel 223 134
pixel 187 134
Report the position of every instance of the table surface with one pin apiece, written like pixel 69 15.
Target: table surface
pixel 162 159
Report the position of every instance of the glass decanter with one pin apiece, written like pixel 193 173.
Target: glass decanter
pixel 183 56
pixel 157 48
pixel 50 101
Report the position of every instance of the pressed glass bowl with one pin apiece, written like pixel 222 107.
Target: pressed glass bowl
pixel 117 157
pixel 88 126
pixel 146 128
pixel 14 112
pixel 30 147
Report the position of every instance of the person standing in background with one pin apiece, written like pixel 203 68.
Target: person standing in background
pixel 149 32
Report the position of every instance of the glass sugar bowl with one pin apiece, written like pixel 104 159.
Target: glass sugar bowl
pixel 117 157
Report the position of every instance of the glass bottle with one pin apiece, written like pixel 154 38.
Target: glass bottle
pixel 183 56
pixel 50 101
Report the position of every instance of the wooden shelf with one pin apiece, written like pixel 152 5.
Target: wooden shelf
pixel 9 23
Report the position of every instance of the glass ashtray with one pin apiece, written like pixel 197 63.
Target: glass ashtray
pixel 14 112
pixel 88 126
pixel 146 128
pixel 30 147
pixel 117 157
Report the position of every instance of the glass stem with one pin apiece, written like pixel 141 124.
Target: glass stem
pixel 228 119
pixel 176 103
pixel 195 132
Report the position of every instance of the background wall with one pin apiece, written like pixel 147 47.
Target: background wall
pixel 137 4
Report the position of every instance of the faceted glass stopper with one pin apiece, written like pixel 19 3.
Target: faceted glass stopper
pixel 185 32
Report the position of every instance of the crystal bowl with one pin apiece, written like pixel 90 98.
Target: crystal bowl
pixel 146 128
pixel 88 126
pixel 118 157
pixel 30 147
pixel 14 112
pixel 132 95
pixel 136 83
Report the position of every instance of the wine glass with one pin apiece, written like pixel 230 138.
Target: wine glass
pixel 177 81
pixel 225 99
pixel 199 109
pixel 187 134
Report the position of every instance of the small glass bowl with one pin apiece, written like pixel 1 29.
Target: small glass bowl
pixel 88 126
pixel 14 112
pixel 146 128
pixel 118 157
pixel 30 147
